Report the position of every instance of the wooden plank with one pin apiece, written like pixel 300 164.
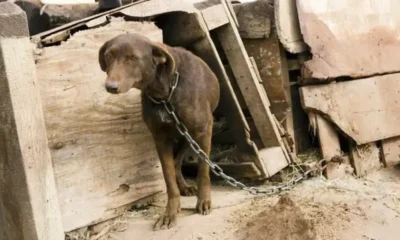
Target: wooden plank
pixel 364 158
pixel 252 91
pixel 270 57
pixel 254 19
pixel 370 48
pixel 367 110
pixel 288 27
pixel 103 154
pixel 231 11
pixel 330 149
pixel 29 207
pixel 328 138
pixel 391 151
pixel 254 66
pixel 215 16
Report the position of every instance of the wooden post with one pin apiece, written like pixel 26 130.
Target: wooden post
pixel 29 208
pixel 330 148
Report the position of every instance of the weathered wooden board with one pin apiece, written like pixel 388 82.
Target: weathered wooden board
pixel 365 158
pixel 288 27
pixel 29 206
pixel 350 38
pixel 391 151
pixel 103 154
pixel 367 110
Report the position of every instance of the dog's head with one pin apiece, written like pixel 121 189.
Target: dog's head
pixel 131 60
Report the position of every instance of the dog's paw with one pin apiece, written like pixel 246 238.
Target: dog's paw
pixel 166 222
pixel 188 191
pixel 203 206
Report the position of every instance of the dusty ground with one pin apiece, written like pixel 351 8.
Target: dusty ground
pixel 349 208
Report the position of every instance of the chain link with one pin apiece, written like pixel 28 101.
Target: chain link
pixel 217 170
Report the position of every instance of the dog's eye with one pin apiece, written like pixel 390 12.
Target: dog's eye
pixel 108 57
pixel 131 57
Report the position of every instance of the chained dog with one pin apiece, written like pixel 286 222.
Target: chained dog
pixel 179 94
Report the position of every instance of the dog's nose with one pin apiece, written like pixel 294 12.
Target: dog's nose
pixel 112 87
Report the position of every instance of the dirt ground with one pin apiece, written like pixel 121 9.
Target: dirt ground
pixel 349 208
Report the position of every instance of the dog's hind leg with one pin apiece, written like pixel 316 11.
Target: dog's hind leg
pixel 184 188
pixel 203 172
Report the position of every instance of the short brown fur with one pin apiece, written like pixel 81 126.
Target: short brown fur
pixel 131 60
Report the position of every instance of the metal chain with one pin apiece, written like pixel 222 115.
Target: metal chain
pixel 217 170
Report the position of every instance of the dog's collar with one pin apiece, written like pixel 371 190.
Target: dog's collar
pixel 172 87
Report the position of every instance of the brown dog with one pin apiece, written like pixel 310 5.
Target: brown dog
pixel 131 60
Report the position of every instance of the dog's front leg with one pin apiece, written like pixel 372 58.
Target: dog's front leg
pixel 164 148
pixel 203 173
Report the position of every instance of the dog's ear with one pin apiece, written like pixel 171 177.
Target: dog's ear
pixel 161 56
pixel 102 58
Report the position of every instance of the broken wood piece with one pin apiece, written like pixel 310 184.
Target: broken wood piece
pixel 275 159
pixel 370 48
pixel 254 19
pixel 364 158
pixel 288 27
pixel 391 151
pixel 367 110
pixel 29 206
pixel 330 148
